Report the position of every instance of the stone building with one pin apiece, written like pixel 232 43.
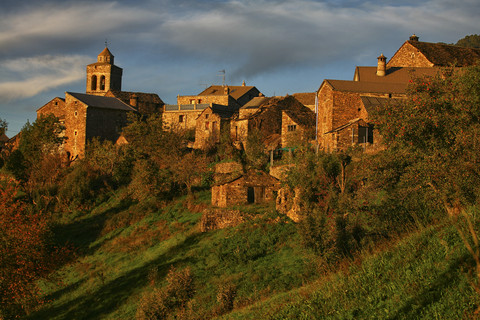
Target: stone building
pixel 184 114
pixel 210 124
pixel 266 119
pixel 251 187
pixel 307 99
pixel 297 126
pixel 102 111
pixel 343 106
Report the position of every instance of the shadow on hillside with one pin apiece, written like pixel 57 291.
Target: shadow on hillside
pixel 83 232
pixel 109 297
pixel 414 307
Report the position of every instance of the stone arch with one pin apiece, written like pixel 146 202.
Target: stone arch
pixel 102 83
pixel 94 83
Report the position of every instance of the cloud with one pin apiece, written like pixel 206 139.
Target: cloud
pixel 31 76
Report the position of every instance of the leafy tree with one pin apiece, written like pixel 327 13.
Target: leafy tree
pixel 255 153
pixel 471 41
pixel 3 126
pixel 438 127
pixel 26 253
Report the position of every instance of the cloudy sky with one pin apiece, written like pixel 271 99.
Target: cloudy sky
pixel 172 47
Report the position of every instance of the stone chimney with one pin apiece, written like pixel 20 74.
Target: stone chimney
pixel 413 37
pixel 226 90
pixel 134 100
pixel 381 65
pixel 243 83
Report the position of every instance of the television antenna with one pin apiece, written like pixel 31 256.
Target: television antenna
pixel 222 74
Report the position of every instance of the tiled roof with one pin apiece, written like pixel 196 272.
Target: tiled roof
pixel 366 87
pixel 304 117
pixel 445 55
pixel 235 91
pixel 101 102
pixel 222 111
pixel 394 74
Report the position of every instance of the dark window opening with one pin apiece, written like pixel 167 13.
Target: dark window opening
pixel 181 118
pixel 365 134
pixel 250 195
pixel 94 83
pixel 102 83
pixel 292 127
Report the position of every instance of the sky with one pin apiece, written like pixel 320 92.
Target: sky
pixel 179 47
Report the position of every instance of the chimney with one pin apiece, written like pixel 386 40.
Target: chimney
pixel 243 83
pixel 381 65
pixel 226 90
pixel 134 101
pixel 413 37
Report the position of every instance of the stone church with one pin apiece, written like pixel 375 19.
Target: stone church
pixel 343 106
pixel 102 111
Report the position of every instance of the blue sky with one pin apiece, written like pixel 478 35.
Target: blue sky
pixel 172 47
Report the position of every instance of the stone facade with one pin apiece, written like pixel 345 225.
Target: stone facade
pixel 183 115
pixel 409 56
pixel 252 187
pixel 296 128
pixel 210 124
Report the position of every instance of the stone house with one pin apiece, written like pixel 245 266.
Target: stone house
pixel 184 114
pixel 307 99
pixel 299 125
pixel 144 103
pixel 343 106
pixel 210 124
pixel 266 119
pixel 251 187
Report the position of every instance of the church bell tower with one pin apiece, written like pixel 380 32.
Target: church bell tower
pixel 103 75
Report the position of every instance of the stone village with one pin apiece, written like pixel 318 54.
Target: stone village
pixel 333 118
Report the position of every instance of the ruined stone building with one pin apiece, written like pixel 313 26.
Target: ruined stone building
pixel 184 114
pixel 251 187
pixel 210 124
pixel 102 111
pixel 343 106
pixel 269 117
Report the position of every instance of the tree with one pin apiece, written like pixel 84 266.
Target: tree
pixel 471 41
pixel 26 253
pixel 3 126
pixel 438 128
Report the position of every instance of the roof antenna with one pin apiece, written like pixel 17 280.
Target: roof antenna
pixel 223 76
pixel 106 43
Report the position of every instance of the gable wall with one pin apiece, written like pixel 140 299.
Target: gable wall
pixel 409 56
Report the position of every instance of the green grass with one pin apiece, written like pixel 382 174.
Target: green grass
pixel 424 276
pixel 120 242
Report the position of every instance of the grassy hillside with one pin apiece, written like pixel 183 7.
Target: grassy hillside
pixel 127 249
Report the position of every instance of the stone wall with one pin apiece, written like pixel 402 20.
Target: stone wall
pixel 409 56
pixel 180 119
pixel 112 74
pixel 207 129
pixel 55 106
pixel 75 123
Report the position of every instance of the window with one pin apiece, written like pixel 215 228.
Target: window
pixel 192 101
pixel 94 83
pixel 75 132
pixel 207 115
pixel 365 134
pixel 292 127
pixel 102 83
pixel 76 113
pixel 199 101
pixel 181 118
pixel 206 125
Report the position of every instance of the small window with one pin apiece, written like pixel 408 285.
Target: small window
pixel 207 115
pixel 75 132
pixel 76 113
pixel 94 83
pixel 206 125
pixel 199 101
pixel 181 118
pixel 192 101
pixel 292 127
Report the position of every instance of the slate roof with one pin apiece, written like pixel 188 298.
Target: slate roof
pixel 393 74
pixel 101 102
pixel 235 91
pixel 254 103
pixel 442 54
pixel 348 124
pixel 304 117
pixel 223 111
pixel 366 87
pixel 372 103
pixel 142 96
pixel 306 98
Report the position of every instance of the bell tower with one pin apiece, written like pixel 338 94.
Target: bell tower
pixel 103 75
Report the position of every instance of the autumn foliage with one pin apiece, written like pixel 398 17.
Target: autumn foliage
pixel 25 253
